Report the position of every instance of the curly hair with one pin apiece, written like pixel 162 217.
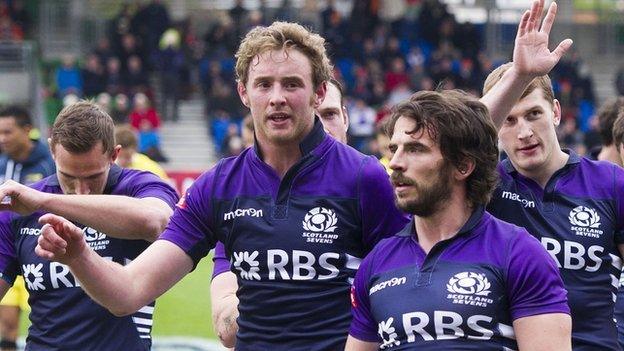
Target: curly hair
pixel 284 35
pixel 462 127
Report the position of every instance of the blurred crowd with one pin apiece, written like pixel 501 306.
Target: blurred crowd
pixel 383 51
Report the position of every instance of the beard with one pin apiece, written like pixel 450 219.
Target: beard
pixel 429 198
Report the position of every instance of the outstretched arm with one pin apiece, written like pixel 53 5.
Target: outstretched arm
pixel 121 217
pixel 531 58
pixel 121 289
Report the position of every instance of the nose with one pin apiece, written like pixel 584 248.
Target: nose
pixel 525 130
pixel 277 96
pixel 396 162
pixel 82 187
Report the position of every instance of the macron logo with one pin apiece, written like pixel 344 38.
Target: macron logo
pixel 252 212
pixel 515 197
pixel 30 231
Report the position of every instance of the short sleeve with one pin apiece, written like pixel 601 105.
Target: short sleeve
pixel 533 281
pixel 363 325
pixel 380 216
pixel 220 260
pixel 8 255
pixel 618 176
pixel 190 227
pixel 147 184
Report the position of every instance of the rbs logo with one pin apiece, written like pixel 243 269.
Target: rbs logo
pixel 279 264
pixel 572 255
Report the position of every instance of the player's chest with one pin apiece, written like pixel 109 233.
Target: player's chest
pixel 312 223
pixel 448 302
pixel 42 275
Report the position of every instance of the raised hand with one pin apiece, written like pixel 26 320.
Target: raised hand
pixel 531 56
pixel 60 240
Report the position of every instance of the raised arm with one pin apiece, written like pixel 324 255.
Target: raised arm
pixel 121 289
pixel 531 58
pixel 121 217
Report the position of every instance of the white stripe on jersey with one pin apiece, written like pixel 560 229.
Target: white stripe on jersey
pixel 142 321
pixel 145 336
pixel 353 262
pixel 614 281
pixel 616 261
pixel 508 349
pixel 144 330
pixel 614 296
pixel 147 309
pixel 506 331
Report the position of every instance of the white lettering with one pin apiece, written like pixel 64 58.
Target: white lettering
pixel 299 265
pixel 411 330
pixel 473 323
pixel 251 212
pixel 452 325
pixel 279 266
pixel 323 261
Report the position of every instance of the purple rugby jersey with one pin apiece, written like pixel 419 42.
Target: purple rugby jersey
pixel 463 295
pixel 63 316
pixel 578 217
pixel 295 243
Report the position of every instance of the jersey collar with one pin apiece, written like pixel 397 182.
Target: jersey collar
pixel 472 222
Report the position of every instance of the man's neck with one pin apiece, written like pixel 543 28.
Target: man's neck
pixel 444 224
pixel 610 153
pixel 24 152
pixel 543 174
pixel 281 157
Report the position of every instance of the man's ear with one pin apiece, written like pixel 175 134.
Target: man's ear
pixel 242 93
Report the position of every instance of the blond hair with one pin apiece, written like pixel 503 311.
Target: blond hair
pixel 542 82
pixel 284 35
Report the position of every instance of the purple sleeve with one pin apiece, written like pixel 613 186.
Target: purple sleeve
pixel 363 325
pixel 220 260
pixel 380 216
pixel 618 180
pixel 146 184
pixel 190 227
pixel 8 257
pixel 534 285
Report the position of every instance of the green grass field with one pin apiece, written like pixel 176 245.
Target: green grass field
pixel 182 311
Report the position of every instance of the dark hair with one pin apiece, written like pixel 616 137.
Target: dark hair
pixel 80 126
pixel 606 118
pixel 19 113
pixel 463 129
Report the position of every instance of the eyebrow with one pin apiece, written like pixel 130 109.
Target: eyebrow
pixel 94 175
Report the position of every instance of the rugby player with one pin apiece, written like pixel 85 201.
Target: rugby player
pixel 118 212
pixel 456 278
pixel 571 204
pixel 296 213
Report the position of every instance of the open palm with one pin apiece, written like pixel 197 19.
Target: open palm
pixel 531 54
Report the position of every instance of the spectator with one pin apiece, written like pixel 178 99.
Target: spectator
pixel 170 63
pixel 121 110
pixel 143 112
pixel 130 158
pixel 103 100
pixel 114 78
pixel 361 124
pixel 68 77
pixel 136 80
pixel 93 77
